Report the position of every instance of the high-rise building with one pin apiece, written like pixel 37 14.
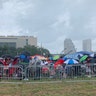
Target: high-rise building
pixel 87 45
pixel 17 41
pixel 69 47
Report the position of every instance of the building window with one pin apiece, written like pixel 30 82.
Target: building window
pixel 26 41
pixel 9 44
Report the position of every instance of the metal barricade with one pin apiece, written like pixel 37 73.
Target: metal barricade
pixel 38 72
pixel 11 72
pixel 67 72
pixel 80 71
pixel 48 72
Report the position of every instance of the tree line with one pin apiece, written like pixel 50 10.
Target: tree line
pixel 30 50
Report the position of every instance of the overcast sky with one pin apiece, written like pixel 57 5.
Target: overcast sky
pixel 51 21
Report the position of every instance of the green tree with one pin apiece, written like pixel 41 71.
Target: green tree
pixel 33 50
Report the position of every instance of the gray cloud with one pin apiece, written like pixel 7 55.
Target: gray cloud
pixel 51 21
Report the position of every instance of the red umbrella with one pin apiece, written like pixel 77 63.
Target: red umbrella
pixel 58 62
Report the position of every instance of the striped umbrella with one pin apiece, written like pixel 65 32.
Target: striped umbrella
pixel 71 61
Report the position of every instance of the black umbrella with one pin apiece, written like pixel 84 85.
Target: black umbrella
pixel 7 56
pixel 26 53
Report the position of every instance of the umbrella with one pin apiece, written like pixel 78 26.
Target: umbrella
pixel 71 61
pixel 22 56
pixel 86 53
pixel 73 56
pixel 50 58
pixel 40 57
pixel 59 62
pixel 7 56
pixel 56 57
pixel 83 58
pixel 92 55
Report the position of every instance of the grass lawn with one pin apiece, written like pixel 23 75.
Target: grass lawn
pixel 49 89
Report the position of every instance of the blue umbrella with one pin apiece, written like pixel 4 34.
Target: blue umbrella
pixel 22 56
pixel 73 56
pixel 71 61
pixel 85 52
pixel 90 54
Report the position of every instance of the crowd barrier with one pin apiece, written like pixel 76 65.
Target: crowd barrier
pixel 11 72
pixel 48 72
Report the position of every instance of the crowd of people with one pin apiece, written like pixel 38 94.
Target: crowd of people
pixel 64 70
pixel 36 68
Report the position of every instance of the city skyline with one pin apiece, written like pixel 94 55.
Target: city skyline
pixel 70 47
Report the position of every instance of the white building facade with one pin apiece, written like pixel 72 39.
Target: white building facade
pixel 87 45
pixel 69 47
pixel 17 41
